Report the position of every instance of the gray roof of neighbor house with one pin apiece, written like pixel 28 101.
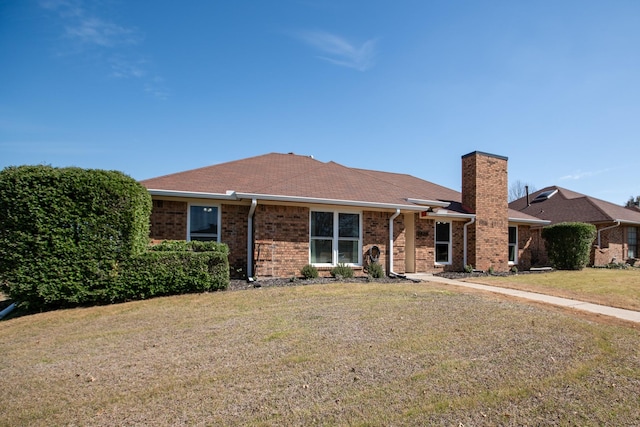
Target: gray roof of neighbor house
pixel 288 177
pixel 558 204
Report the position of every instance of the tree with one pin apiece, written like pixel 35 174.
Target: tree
pixel 519 189
pixel 633 202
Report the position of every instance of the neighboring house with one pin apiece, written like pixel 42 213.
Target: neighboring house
pixel 279 212
pixel 618 227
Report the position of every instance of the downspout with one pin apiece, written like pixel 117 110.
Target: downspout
pixel 617 224
pixel 394 216
pixel 464 248
pixel 252 210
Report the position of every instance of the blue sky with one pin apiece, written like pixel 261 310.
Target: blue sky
pixel 151 88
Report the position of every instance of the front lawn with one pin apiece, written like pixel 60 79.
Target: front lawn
pixel 612 287
pixel 338 354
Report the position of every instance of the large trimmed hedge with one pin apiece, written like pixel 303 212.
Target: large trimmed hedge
pixel 71 236
pixel 569 244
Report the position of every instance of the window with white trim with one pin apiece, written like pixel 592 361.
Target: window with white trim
pixel 335 237
pixel 203 223
pixel 513 245
pixel 443 242
pixel 632 242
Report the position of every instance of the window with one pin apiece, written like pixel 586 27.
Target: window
pixel 335 238
pixel 632 242
pixel 513 245
pixel 203 223
pixel 443 242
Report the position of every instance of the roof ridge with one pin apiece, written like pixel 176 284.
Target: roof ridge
pixel 290 177
pixel 208 166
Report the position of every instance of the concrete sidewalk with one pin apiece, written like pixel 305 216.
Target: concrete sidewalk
pixel 630 315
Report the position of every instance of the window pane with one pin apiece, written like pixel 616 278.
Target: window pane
pixel 633 236
pixel 349 225
pixel 513 235
pixel 348 251
pixel 322 224
pixel 442 231
pixel 203 219
pixel 442 252
pixel 321 251
pixel 512 253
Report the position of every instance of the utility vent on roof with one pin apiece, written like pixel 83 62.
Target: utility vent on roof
pixel 545 195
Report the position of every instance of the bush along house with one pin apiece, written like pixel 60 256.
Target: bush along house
pixel 280 212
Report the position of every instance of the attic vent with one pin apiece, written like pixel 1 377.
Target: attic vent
pixel 545 195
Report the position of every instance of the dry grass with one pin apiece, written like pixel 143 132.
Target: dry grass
pixel 340 354
pixel 611 287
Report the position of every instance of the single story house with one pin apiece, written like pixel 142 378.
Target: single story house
pixel 280 212
pixel 618 226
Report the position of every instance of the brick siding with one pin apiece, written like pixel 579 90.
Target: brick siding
pixel 484 192
pixel 168 220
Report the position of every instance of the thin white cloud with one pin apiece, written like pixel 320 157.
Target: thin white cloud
pixel 581 175
pixel 122 67
pixel 94 31
pixel 339 51
pixel 108 42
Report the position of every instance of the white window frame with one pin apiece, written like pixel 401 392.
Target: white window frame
pixel 336 239
pixel 204 205
pixel 515 247
pixel 637 245
pixel 438 242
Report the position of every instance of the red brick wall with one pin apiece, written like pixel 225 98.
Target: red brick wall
pixel 281 240
pixel 168 220
pixel 613 247
pixel 485 192
pixel 233 232
pixel 375 232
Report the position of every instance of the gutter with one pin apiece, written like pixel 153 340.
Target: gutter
pixel 391 272
pixel 529 221
pixel 252 210
pixel 451 215
pixel 415 204
pixel 464 247
pixel 617 224
pixel 229 195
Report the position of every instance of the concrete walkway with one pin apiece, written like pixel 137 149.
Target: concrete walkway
pixel 630 315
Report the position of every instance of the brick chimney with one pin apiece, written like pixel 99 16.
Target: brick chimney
pixel 485 193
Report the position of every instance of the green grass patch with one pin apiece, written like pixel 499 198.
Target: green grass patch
pixel 339 354
pixel 612 287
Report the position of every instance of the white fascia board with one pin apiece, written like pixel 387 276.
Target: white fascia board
pixel 624 221
pixel 315 200
pixel 193 194
pixel 530 221
pixel 450 215
pixel 232 195
pixel 434 203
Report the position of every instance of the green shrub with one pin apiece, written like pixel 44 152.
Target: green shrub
pixel 468 268
pixel 569 244
pixel 375 270
pixel 309 272
pixel 161 272
pixel 64 232
pixel 342 271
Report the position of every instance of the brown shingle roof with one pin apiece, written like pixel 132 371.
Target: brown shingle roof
pixel 569 206
pixel 291 175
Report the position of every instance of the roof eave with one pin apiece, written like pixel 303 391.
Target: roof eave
pixel 233 195
pixel 530 221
